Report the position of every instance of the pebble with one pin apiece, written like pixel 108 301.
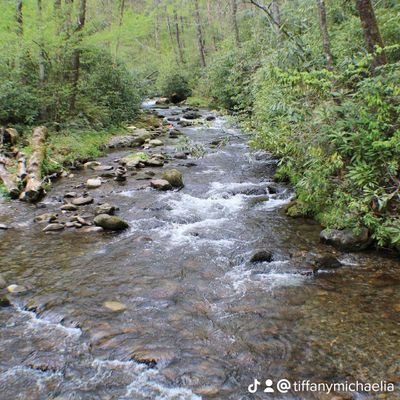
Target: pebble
pixel 14 289
pixel 114 306
pixel 53 228
pixel 3 227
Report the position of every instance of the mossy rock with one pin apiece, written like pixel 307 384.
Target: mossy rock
pixel 134 158
pixel 296 209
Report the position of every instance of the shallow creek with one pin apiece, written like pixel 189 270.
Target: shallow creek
pixel 212 320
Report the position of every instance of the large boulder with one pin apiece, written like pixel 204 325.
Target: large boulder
pixel 174 177
pixel 346 239
pixel 110 222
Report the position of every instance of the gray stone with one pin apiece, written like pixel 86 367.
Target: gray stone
pixel 110 222
pixel 154 162
pixel 15 289
pixel 180 156
pixel 3 282
pixel 81 201
pixel 70 195
pixel 105 209
pixel 174 177
pixel 91 164
pixel 4 302
pixel 92 229
pixel 326 262
pixel 160 184
pixel 156 142
pixel 53 228
pixel 192 115
pixel 69 207
pixel 261 256
pixel 93 183
pixel 103 168
pixel 346 239
pixel 45 218
pixel 3 227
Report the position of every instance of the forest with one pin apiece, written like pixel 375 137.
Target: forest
pixel 316 83
pixel 199 199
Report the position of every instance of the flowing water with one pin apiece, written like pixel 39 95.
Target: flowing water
pixel 210 320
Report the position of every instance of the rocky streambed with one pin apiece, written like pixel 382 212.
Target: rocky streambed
pixel 167 269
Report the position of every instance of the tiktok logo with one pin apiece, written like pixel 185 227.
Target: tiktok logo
pixel 253 388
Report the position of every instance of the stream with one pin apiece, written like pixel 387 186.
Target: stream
pixel 201 320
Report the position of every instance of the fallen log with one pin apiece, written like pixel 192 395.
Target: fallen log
pixel 34 186
pixel 8 179
pixel 21 171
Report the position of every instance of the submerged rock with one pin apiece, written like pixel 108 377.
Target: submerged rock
pixel 3 282
pixel 92 229
pixel 15 289
pixel 326 262
pixel 346 239
pixel 261 256
pixel 180 156
pixel 192 115
pixel 114 306
pixel 110 222
pixel 160 184
pixel 4 302
pixel 45 218
pixel 174 177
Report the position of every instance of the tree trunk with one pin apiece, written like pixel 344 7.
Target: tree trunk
pixel 235 22
pixel 8 179
pixel 34 189
pixel 121 19
pixel 42 67
pixel 200 38
pixel 19 18
pixel 372 35
pixel 76 62
pixel 276 15
pixel 325 34
pixel 171 36
pixel 178 38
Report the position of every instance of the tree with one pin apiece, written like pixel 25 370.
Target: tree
pixel 325 34
pixel 200 37
pixel 235 22
pixel 276 15
pixel 76 55
pixel 19 18
pixel 372 35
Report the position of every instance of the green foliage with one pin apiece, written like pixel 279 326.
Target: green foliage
pixel 174 86
pixel 339 141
